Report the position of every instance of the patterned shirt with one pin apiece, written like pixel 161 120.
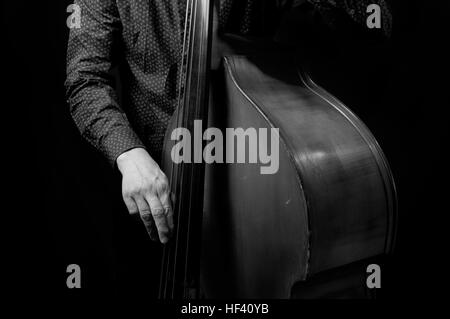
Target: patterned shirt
pixel 144 37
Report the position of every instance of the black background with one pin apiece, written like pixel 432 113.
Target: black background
pixel 60 188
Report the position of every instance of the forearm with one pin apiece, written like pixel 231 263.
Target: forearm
pixel 90 94
pixel 100 120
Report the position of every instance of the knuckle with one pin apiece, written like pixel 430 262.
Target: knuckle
pixel 146 216
pixel 142 190
pixel 162 179
pixel 134 191
pixel 158 212
pixel 125 193
pixel 163 187
pixel 148 187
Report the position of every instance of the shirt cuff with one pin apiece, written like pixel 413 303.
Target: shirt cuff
pixel 118 141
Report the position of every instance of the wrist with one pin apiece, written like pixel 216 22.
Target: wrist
pixel 124 159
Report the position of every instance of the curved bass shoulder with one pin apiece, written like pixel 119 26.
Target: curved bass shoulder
pixel 331 203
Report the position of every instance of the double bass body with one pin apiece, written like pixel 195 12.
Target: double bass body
pixel 331 203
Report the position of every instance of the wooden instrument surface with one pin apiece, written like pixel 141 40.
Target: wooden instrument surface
pixel 331 203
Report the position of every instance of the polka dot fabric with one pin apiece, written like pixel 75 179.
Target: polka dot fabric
pixel 146 36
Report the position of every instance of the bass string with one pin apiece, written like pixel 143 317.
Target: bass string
pixel 174 183
pixel 199 7
pixel 180 94
pixel 181 244
pixel 205 8
pixel 190 180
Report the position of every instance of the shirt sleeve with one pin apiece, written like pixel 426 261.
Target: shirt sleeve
pixel 90 92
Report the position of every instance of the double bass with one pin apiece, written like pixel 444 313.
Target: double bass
pixel 243 234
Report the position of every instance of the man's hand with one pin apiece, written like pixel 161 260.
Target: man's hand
pixel 145 190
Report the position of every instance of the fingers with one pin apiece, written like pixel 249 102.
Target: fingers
pixel 169 215
pixel 159 217
pixel 146 216
pixel 131 205
pixel 164 197
pixel 149 197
